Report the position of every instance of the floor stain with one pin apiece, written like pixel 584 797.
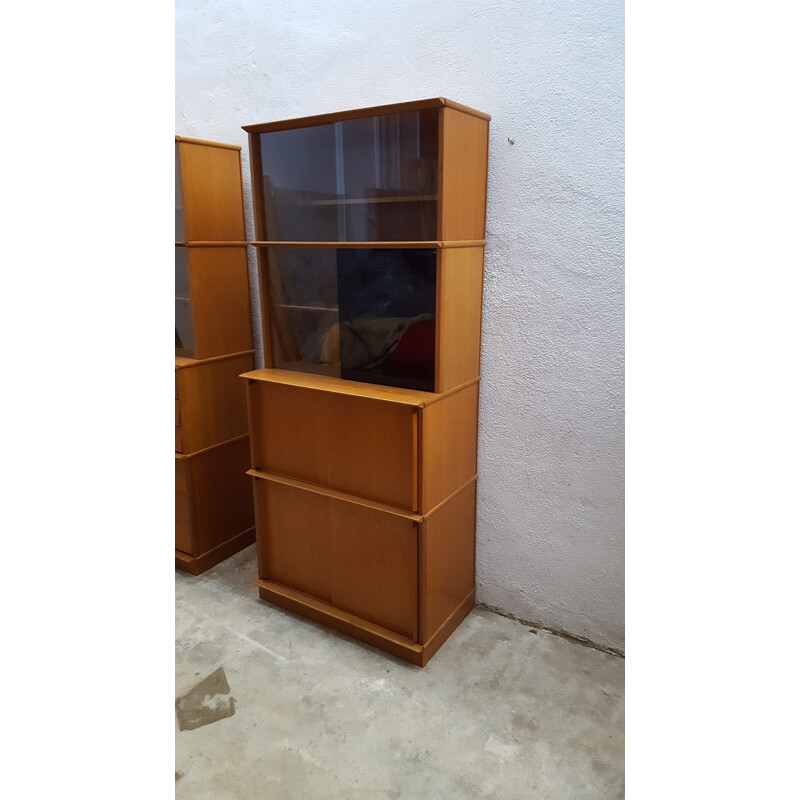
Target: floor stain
pixel 522 722
pixel 209 701
pixel 178 776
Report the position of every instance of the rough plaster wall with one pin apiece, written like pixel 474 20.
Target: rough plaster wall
pixel 551 445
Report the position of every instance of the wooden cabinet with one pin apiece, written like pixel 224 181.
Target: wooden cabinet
pixel 214 515
pixel 370 230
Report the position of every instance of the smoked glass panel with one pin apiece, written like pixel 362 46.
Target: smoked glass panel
pixel 370 179
pixel 361 314
pixel 184 329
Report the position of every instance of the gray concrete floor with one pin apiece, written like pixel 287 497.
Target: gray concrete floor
pixel 270 705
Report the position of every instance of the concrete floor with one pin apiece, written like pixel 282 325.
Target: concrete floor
pixel 272 706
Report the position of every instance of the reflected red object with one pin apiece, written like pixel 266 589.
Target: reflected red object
pixel 417 346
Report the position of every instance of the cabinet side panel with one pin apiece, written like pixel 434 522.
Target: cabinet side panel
pixel 256 185
pixel 183 511
pixel 294 540
pixel 211 182
pixel 213 406
pixel 372 449
pixel 449 445
pixel 465 148
pixel 220 495
pixel 289 428
pixel 447 560
pixel 374 566
pixel 459 316
pixel 220 294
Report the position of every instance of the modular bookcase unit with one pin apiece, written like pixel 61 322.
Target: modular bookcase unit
pixel 214 515
pixel 370 234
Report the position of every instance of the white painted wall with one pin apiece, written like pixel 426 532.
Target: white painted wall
pixel 551 447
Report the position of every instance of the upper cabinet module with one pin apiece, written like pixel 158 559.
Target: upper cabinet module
pixel 208 192
pixel 365 179
pixel 212 290
pixel 410 172
pixel 370 229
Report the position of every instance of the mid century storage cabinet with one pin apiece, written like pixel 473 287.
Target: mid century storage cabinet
pixel 370 234
pixel 213 345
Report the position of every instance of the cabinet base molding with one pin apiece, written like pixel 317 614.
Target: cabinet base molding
pixel 195 565
pixel 360 629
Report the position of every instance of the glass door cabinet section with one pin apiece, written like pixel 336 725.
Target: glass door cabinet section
pixel 366 223
pixel 365 314
pixel 370 235
pixel 364 179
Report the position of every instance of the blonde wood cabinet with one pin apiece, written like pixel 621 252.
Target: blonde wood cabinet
pixel 213 344
pixel 370 235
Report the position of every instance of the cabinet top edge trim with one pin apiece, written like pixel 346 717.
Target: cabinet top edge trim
pixel 371 391
pixel 296 483
pixel 207 143
pixel 371 111
pixel 326 383
pixel 215 446
pixel 233 243
pixel 182 362
pixel 377 245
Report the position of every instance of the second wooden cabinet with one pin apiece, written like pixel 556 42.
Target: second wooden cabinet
pixel 213 345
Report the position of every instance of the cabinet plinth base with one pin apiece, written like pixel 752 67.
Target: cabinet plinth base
pixel 362 630
pixel 195 565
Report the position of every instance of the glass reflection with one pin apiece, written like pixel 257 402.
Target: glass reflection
pixel 357 313
pixel 371 179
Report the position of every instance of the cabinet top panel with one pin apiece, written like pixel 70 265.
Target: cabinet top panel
pixel 207 143
pixel 373 111
pixel 335 385
pixel 182 362
pixel 305 380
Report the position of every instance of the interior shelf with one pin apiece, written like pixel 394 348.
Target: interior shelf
pixel 369 200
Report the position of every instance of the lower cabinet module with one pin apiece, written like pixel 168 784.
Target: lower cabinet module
pixel 213 505
pixel 365 505
pixel 406 448
pixel 213 498
pixel 399 581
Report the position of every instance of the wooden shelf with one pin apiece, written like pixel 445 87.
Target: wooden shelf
pixel 305 308
pixel 376 245
pixel 181 362
pixel 211 244
pixel 370 200
pixel 331 383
